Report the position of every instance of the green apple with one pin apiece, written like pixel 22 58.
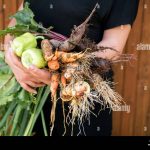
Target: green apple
pixel 23 42
pixel 33 56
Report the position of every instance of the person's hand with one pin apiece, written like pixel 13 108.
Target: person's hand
pixel 30 78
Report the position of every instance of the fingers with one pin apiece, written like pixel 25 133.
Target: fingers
pixel 28 88
pixel 41 74
pixel 15 59
pixel 35 84
pixel 26 81
pixel 12 60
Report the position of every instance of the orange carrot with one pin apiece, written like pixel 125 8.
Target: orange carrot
pixel 69 57
pixel 47 49
pixel 54 83
pixel 53 64
pixel 55 58
pixel 63 80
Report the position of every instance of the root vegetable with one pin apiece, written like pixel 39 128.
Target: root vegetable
pixel 63 80
pixel 66 98
pixel 68 57
pixel 77 34
pixel 53 65
pixel 99 65
pixel 71 68
pixel 47 49
pixel 55 58
pixel 76 90
pixel 55 43
pixel 54 83
pixel 82 88
pixel 110 97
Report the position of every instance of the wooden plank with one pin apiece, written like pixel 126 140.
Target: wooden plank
pixel 1 14
pixel 143 89
pixel 119 80
pixel 10 9
pixel 19 3
pixel 130 80
pixel 1 18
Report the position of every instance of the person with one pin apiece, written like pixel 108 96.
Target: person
pixel 110 26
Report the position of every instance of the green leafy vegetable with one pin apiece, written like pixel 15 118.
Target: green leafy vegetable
pixel 10 90
pixel 25 23
pixel 20 109
pixel 4 69
pixel 16 30
pixel 26 17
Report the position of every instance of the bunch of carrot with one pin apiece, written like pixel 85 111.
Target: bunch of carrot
pixel 73 72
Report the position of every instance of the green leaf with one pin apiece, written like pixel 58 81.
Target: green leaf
pixel 4 68
pixel 5 100
pixel 10 90
pixel 24 98
pixel 8 83
pixel 1 55
pixel 17 30
pixel 26 17
pixel 4 79
pixel 25 23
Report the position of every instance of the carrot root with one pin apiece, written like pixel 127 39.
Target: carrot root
pixel 53 65
pixel 54 83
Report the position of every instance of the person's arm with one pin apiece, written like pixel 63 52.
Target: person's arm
pixel 115 38
pixel 30 78
pixel 117 25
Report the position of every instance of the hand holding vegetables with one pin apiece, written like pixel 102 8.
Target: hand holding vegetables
pixel 29 79
pixel 23 76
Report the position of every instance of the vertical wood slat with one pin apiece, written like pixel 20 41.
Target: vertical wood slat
pixel 1 18
pixel 1 14
pixel 10 9
pixel 123 122
pixel 119 80
pixel 143 96
pixel 19 3
pixel 130 80
pixel 146 70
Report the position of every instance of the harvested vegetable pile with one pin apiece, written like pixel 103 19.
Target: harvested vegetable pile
pixel 76 76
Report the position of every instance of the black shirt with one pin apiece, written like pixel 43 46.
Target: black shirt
pixel 63 15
